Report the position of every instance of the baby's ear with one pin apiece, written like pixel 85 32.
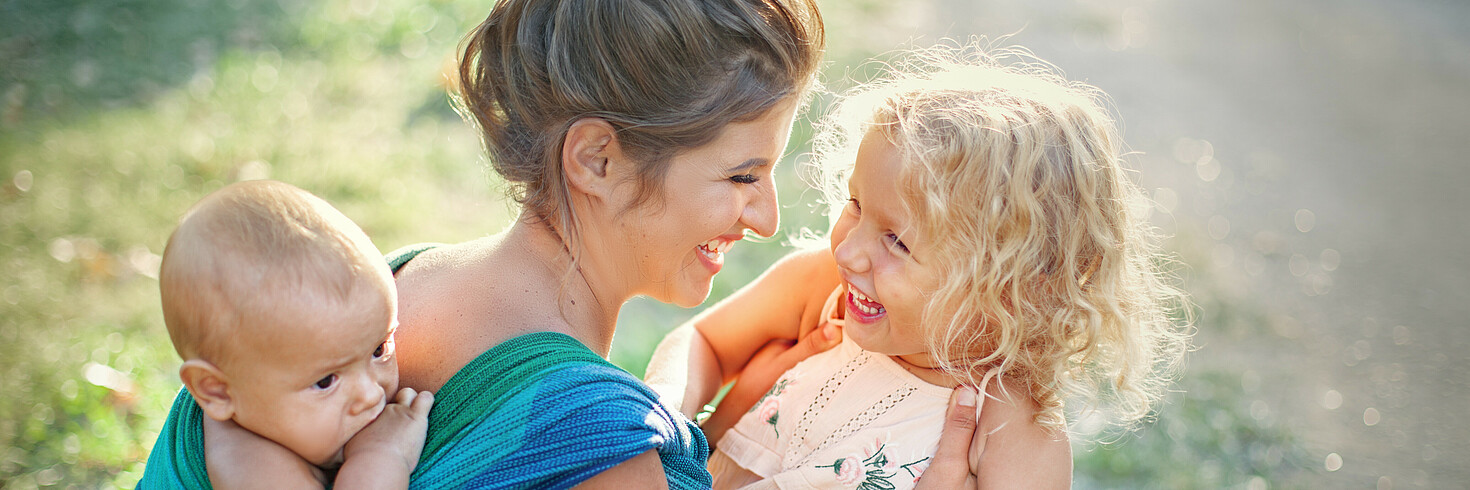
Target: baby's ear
pixel 210 387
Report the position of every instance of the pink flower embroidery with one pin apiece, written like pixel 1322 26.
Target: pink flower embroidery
pixel 770 409
pixel 849 471
pixel 771 413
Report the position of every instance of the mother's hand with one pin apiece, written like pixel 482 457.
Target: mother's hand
pixel 955 463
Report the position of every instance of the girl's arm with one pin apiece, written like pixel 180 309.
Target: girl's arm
pixel 693 361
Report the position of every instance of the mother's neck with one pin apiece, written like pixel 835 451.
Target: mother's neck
pixel 588 303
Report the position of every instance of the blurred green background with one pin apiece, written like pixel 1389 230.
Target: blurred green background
pixel 1301 157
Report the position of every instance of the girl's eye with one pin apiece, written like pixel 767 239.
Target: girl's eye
pixel 898 243
pixel 745 179
pixel 326 382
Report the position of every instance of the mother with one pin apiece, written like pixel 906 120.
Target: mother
pixel 639 138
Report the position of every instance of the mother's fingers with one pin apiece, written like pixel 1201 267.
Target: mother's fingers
pixel 951 466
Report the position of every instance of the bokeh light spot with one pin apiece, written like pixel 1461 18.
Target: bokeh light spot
pixel 1208 169
pixel 1166 199
pixel 1298 265
pixel 1305 220
pixel 1333 462
pixel 1371 417
pixel 1219 227
pixel 1331 400
pixel 23 180
pixel 1330 259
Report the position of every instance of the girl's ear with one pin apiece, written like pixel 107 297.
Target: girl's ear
pixel 210 388
pixel 587 155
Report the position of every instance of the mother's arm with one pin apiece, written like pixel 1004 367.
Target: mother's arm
pixel 693 361
pixel 643 471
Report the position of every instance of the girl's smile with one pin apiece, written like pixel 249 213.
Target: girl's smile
pixel 862 308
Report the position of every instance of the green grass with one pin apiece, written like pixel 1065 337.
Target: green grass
pixel 115 117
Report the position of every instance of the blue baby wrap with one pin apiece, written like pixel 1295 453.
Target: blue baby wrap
pixel 537 411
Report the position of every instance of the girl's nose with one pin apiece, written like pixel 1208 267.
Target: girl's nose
pixel 849 254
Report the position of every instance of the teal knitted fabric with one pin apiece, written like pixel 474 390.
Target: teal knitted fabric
pixel 177 460
pixel 543 411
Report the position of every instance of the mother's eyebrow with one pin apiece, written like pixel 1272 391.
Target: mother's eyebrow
pixel 748 164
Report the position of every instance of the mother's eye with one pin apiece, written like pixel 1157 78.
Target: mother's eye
pixel 745 179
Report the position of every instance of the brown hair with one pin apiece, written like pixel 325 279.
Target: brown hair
pixel 667 74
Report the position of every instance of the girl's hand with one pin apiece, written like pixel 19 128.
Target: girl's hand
pixel 385 452
pixel 956 462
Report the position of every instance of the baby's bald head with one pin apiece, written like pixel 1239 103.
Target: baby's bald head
pixel 245 249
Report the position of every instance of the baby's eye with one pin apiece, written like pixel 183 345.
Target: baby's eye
pixel 852 203
pixel 384 349
pixel 745 179
pixel 326 382
pixel 378 352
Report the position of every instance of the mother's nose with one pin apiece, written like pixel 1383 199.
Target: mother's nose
pixel 761 214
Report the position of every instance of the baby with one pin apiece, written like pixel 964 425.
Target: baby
pixel 989 236
pixel 284 312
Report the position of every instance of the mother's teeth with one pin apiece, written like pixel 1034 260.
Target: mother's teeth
pixel 718 246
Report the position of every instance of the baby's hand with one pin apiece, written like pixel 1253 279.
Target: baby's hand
pixel 388 449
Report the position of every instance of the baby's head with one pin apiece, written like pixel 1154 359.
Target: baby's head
pixel 992 223
pixel 283 312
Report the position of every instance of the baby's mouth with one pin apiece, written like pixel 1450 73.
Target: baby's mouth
pixel 863 304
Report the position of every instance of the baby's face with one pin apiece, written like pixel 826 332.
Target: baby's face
pixel 310 386
pixel 880 257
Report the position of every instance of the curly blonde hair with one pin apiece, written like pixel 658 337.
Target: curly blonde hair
pixel 1014 178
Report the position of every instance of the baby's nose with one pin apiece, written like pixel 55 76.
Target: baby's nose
pixel 369 395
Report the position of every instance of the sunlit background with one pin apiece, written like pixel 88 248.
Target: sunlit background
pixel 1306 158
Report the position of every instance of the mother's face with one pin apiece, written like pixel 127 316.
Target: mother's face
pixel 711 195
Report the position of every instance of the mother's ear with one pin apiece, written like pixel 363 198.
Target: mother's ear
pixel 587 155
pixel 210 388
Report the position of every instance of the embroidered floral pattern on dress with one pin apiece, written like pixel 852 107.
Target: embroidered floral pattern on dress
pixel 770 403
pixel 872 470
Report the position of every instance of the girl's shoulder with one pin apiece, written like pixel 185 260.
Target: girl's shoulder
pixel 1013 447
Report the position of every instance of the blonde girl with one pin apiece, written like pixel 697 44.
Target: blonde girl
pixel 989 236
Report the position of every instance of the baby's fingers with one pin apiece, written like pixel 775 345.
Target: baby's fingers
pixel 405 396
pixel 422 404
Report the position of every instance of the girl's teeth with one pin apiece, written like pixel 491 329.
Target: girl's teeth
pixel 870 310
